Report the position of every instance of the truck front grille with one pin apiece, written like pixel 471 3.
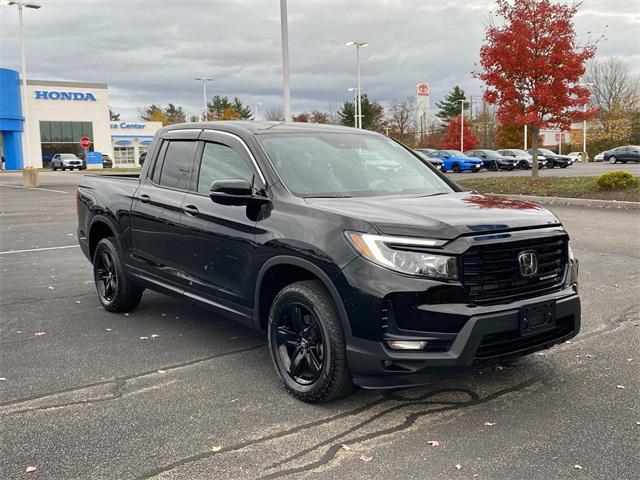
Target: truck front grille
pixel 491 273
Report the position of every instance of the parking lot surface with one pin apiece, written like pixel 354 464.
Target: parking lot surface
pixel 172 391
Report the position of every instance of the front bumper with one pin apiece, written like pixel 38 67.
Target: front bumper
pixel 483 338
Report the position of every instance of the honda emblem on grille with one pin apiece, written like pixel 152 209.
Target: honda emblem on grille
pixel 528 262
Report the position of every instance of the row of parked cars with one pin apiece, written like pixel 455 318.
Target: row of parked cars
pixel 623 154
pixel 504 159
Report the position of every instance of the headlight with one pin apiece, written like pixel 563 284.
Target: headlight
pixel 400 254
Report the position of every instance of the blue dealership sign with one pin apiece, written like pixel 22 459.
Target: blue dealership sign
pixel 94 158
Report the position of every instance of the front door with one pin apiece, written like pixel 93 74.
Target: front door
pixel 218 248
pixel 156 212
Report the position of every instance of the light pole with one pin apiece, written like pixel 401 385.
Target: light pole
pixel 358 45
pixel 584 123
pixel 21 4
pixel 204 81
pixel 462 102
pixel 284 31
pixel 525 137
pixel 257 105
pixel 355 105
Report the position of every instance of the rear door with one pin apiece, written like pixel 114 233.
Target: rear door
pixel 156 208
pixel 218 240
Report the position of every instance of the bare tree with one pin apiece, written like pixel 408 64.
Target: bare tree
pixel 274 115
pixel 615 90
pixel 401 116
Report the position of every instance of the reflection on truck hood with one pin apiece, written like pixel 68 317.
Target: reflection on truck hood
pixel 440 216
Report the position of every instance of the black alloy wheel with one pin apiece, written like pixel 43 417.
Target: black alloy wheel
pixel 106 276
pixel 300 344
pixel 116 291
pixel 307 343
pixel 455 168
pixel 524 165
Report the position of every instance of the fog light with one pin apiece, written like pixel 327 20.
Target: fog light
pixel 407 344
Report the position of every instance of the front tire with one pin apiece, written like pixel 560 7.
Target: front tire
pixel 115 291
pixel 455 168
pixel 524 165
pixel 613 160
pixel 307 343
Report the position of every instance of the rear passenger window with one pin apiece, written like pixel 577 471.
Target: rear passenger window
pixel 220 162
pixel 178 161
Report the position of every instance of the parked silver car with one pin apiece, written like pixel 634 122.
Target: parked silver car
pixel 63 161
pixel 523 159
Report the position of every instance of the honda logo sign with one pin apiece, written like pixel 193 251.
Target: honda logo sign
pixel 528 262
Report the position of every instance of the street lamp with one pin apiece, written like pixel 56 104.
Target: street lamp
pixel 284 33
pixel 21 4
pixel 358 45
pixel 256 116
pixel 355 103
pixel 462 102
pixel 204 81
pixel 584 122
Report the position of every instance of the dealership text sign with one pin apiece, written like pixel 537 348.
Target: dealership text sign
pixel 58 95
pixel 128 126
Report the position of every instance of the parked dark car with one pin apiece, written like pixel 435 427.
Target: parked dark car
pixel 436 162
pixel 552 159
pixel 492 160
pixel 357 274
pixel 627 153
pixel 107 161
pixel 523 159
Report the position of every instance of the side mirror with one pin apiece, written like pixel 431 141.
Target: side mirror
pixel 235 191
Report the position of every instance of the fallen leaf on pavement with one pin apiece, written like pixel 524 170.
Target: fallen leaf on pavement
pixel 216 449
pixel 107 329
pixel 620 387
pixel 346 447
pixel 489 424
pixel 499 367
pixel 39 334
pixel 434 443
pixel 161 371
pixel 578 467
pixel 50 287
pixel 3 379
pixel 154 335
pixel 77 301
pixel 588 355
pixel 30 469
pixel 144 338
pixel 458 467
pixel 366 458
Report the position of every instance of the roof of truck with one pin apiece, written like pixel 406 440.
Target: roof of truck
pixel 256 128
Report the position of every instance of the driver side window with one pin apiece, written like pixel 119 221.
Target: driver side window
pixel 221 162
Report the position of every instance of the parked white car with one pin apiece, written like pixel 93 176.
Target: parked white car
pixel 63 161
pixel 575 157
pixel 599 157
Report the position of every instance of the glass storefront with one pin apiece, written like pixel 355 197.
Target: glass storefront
pixel 63 137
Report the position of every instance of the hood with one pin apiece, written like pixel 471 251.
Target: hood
pixel 444 216
pixel 467 159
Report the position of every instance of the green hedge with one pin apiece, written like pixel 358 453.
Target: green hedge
pixel 616 180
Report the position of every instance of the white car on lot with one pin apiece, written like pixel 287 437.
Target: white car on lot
pixel 575 157
pixel 63 161
pixel 599 157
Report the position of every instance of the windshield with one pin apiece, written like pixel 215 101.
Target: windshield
pixel 520 152
pixel 545 151
pixel 67 155
pixel 348 165
pixel 490 153
pixel 455 153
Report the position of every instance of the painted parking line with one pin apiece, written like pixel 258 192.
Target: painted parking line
pixel 33 188
pixel 43 249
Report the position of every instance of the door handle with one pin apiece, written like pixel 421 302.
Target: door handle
pixel 144 198
pixel 191 210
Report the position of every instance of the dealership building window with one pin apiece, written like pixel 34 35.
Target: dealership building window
pixel 124 155
pixel 63 137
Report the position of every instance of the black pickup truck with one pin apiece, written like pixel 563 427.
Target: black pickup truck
pixel 362 263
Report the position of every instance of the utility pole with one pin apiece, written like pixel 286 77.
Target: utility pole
pixel 204 81
pixel 462 102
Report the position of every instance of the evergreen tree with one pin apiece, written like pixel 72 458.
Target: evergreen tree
pixel 220 108
pixel 450 106
pixel 113 116
pixel 372 114
pixel 174 114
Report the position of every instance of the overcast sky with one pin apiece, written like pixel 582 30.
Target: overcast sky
pixel 150 51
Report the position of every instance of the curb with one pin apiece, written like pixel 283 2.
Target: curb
pixel 575 202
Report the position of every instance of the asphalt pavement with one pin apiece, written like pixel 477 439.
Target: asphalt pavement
pixel 172 391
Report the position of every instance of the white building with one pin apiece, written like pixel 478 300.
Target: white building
pixel 58 115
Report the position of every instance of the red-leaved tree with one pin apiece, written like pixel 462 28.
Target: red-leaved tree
pixel 532 64
pixel 451 139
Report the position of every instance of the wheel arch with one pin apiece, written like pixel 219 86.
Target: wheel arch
pixel 304 270
pixel 101 227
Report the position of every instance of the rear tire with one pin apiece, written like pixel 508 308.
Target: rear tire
pixel 307 343
pixel 116 292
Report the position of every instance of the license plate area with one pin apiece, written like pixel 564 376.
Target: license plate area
pixel 537 317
